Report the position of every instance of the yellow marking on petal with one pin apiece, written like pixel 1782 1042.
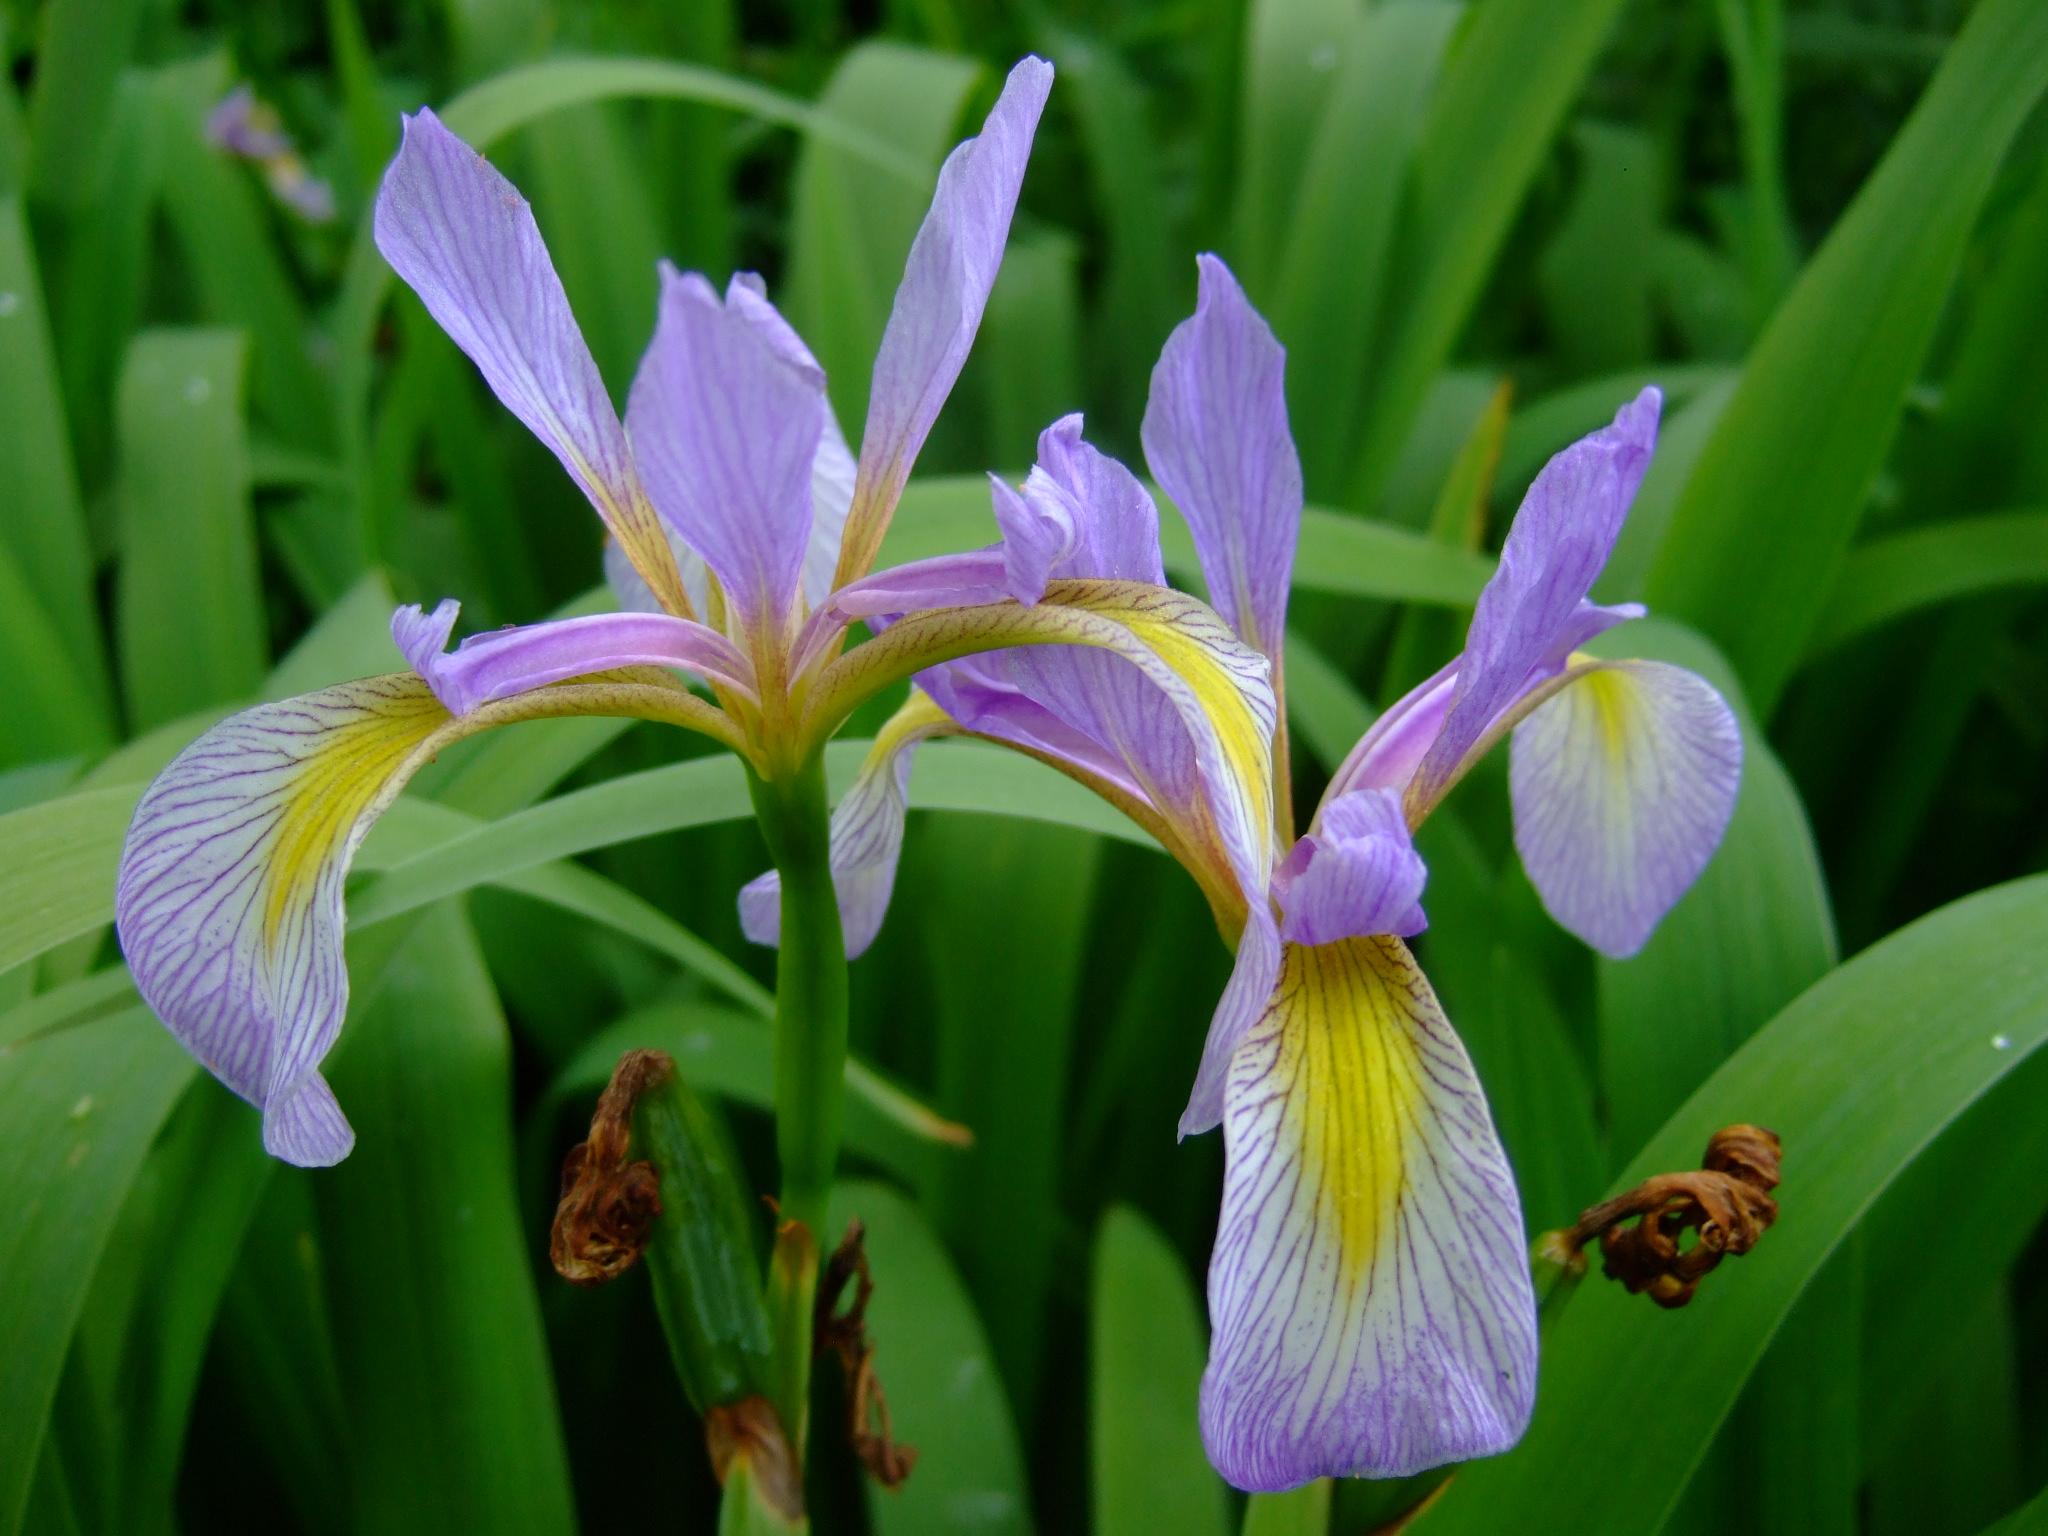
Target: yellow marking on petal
pixel 1345 1044
pixel 1612 697
pixel 332 788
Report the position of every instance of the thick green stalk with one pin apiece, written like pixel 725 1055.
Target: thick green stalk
pixel 810 1062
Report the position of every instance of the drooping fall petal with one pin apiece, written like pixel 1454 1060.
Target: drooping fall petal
pixel 1623 783
pixel 461 235
pixel 1369 1292
pixel 229 897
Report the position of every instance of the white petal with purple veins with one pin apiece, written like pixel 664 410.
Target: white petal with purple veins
pixel 1369 1293
pixel 1623 784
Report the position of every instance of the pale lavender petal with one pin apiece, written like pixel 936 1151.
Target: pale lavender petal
pixel 1535 602
pixel 307 195
pixel 832 472
pixel 1253 975
pixel 1393 746
pixel 229 899
pixel 1369 1294
pixel 1038 533
pixel 946 282
pixel 725 421
pixel 519 658
pixel 1217 441
pixel 1354 875
pixel 242 125
pixel 1623 784
pixel 867 835
pixel 461 235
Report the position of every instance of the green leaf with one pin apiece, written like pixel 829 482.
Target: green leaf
pixel 1292 53
pixel 1792 458
pixel 57 869
pixel 81 1108
pixel 190 606
pixel 51 709
pixel 45 529
pixel 84 46
pixel 1004 1015
pixel 721 1050
pixel 451 1406
pixel 1026 361
pixel 1337 553
pixel 1901 573
pixel 1303 1512
pixel 1324 710
pixel 945 1398
pixel 1595 274
pixel 851 221
pixel 1634 1390
pixel 1330 290
pixel 1146 1347
pixel 1145 276
pixel 1753 932
pixel 222 224
pixel 1514 70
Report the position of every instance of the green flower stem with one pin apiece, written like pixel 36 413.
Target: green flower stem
pixel 810 1063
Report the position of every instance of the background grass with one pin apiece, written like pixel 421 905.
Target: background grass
pixel 231 443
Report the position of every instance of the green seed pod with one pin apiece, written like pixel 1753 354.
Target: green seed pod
pixel 700 1248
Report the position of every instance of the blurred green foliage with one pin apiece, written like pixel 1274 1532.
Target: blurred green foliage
pixel 230 445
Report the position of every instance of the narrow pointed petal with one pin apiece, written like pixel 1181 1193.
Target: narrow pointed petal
pixel 1623 783
pixel 1356 874
pixel 1217 441
pixel 867 835
pixel 1533 612
pixel 832 472
pixel 946 282
pixel 1253 974
pixel 500 663
pixel 1369 1292
pixel 464 239
pixel 229 898
pixel 725 417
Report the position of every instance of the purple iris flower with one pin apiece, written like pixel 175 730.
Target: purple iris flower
pixel 1369 1291
pixel 742 531
pixel 249 128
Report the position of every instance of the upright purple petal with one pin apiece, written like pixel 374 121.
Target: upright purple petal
pixel 726 417
pixel 946 282
pixel 1355 874
pixel 461 235
pixel 1217 440
pixel 832 472
pixel 867 835
pixel 502 662
pixel 1369 1293
pixel 1623 783
pixel 1534 610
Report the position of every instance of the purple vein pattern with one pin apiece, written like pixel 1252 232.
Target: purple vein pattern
pixel 229 900
pixel 1622 785
pixel 1369 1293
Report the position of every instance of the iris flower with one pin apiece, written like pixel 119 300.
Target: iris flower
pixel 738 517
pixel 1369 1290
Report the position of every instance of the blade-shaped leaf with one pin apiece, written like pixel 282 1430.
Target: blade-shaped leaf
pixel 1856 1076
